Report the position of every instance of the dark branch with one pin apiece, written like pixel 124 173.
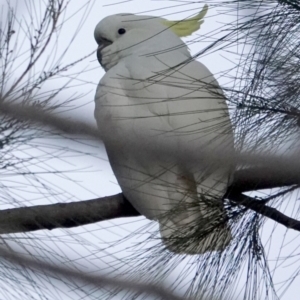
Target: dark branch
pixel 65 215
pixel 260 178
pixel 263 209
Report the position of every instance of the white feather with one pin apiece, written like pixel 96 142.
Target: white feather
pixel 157 110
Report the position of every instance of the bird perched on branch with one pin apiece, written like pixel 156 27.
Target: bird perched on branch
pixel 164 120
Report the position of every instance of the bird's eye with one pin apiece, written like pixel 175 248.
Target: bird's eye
pixel 121 31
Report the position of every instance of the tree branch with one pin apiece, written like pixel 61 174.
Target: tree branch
pixel 65 215
pixel 259 178
pixel 263 209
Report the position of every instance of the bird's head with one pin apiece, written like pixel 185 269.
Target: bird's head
pixel 121 35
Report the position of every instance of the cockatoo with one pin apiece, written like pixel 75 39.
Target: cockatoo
pixel 164 121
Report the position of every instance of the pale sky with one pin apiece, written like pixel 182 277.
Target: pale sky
pixel 94 246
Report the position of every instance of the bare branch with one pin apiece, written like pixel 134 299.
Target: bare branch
pixel 258 178
pixel 65 215
pixel 260 207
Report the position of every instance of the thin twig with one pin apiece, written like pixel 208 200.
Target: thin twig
pixel 45 45
pixel 265 210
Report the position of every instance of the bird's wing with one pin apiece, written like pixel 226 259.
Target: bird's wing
pixel 200 124
pixel 127 116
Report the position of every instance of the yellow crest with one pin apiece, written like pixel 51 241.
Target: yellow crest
pixel 187 26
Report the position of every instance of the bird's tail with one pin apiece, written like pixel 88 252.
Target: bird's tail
pixel 197 230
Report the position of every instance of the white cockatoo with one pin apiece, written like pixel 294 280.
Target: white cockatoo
pixel 164 121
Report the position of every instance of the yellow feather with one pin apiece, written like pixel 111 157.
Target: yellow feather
pixel 187 26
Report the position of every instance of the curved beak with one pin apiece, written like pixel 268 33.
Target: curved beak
pixel 101 45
